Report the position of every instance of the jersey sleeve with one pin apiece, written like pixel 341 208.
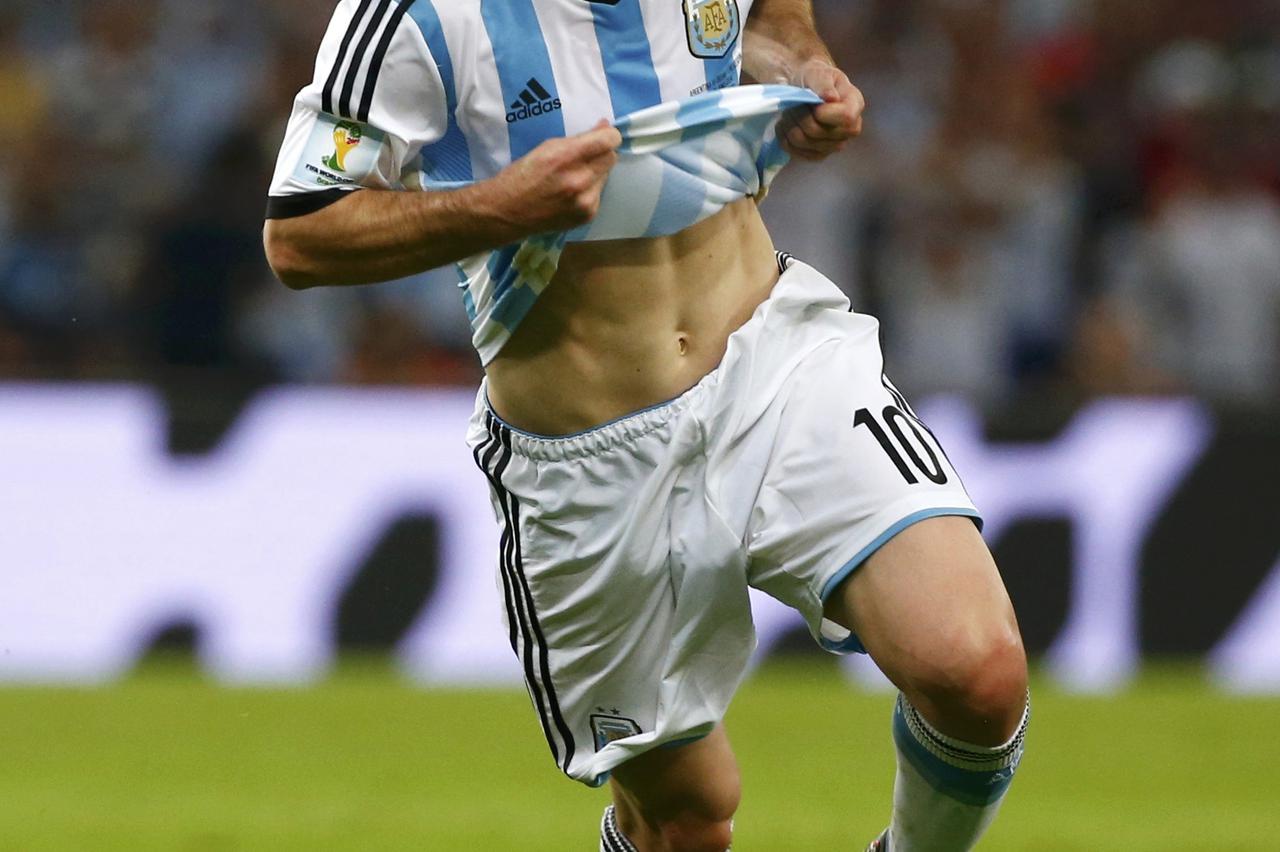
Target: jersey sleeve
pixel 375 101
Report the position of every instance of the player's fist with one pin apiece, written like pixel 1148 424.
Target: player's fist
pixel 821 130
pixel 557 186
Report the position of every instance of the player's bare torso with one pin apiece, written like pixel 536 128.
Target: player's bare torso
pixel 626 324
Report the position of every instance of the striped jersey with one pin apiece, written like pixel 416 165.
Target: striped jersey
pixel 436 94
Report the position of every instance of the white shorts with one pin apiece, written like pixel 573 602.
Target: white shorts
pixel 626 551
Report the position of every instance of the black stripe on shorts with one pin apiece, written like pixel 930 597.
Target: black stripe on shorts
pixel 567 735
pixel 484 454
pixel 516 612
pixel 519 598
pixel 784 259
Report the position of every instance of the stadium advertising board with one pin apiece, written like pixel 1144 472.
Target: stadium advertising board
pixel 328 518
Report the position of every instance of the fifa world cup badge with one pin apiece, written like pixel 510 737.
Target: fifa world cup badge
pixel 713 26
pixel 345 137
pixel 339 153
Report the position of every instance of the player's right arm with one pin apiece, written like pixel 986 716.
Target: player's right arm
pixel 338 212
pixel 381 235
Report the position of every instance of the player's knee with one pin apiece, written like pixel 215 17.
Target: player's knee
pixel 998 685
pixel 697 833
pixel 702 822
pixel 683 817
pixel 979 684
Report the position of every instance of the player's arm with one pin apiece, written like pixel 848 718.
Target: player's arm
pixel 783 46
pixel 359 136
pixel 373 235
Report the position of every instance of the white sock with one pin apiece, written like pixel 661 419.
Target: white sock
pixel 947 792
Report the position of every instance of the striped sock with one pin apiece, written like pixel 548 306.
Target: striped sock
pixel 947 792
pixel 611 837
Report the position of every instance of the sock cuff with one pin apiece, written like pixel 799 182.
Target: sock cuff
pixel 958 753
pixel 972 774
pixel 611 837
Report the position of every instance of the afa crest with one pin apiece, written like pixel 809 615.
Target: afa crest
pixel 608 728
pixel 713 26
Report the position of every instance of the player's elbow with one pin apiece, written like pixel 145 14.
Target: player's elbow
pixel 287 260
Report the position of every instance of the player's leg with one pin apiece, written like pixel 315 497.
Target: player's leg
pixel 855 485
pixel 931 609
pixel 678 799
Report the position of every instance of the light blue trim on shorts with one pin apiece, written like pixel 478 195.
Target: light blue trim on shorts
pixel 684 741
pixel 853 644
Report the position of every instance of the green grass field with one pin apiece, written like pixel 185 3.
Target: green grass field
pixel 166 761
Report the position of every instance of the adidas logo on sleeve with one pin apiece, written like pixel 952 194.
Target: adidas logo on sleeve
pixel 534 100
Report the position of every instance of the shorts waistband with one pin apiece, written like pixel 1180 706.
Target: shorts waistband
pixel 594 441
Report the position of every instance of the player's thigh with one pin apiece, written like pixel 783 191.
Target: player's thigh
pixel 696 781
pixel 932 611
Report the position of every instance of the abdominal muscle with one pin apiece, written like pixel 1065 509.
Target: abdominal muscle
pixel 626 324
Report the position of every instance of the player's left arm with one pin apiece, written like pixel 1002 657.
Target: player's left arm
pixel 783 46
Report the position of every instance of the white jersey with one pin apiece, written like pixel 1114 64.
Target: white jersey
pixel 435 94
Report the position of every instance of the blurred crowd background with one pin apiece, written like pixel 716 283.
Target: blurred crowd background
pixel 1054 199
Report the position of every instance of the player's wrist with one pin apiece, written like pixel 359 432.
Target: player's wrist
pixel 815 64
pixel 781 42
pixel 493 209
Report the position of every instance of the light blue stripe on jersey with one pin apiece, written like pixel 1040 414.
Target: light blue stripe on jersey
pixel 508 312
pixel 468 301
pixel 502 269
pixel 700 116
pixel 628 59
pixel 520 52
pixel 679 200
pixel 448 159
pixel 721 73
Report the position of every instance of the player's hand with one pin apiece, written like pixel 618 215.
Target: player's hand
pixel 822 130
pixel 557 186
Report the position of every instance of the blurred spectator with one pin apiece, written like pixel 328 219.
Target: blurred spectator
pixel 945 300
pixel 204 259
pixel 24 101
pixel 392 349
pixel 1204 284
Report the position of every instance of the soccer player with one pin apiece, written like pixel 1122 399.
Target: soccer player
pixel 672 411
